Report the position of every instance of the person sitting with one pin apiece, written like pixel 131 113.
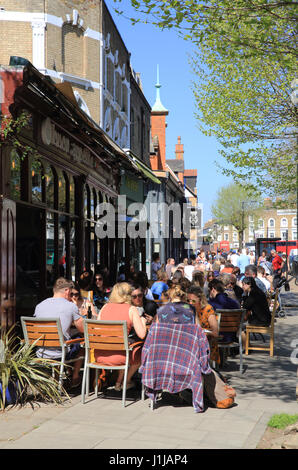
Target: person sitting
pixel 141 278
pixel 261 274
pixel 120 307
pixel 228 268
pixel 225 278
pixel 236 288
pixel 218 298
pixel 251 271
pixel 80 302
pixel 176 310
pixel 61 306
pixel 85 282
pixel 101 291
pixel 205 316
pixel 160 285
pixel 177 276
pixel 146 307
pixel 209 277
pixel 256 303
pixel 198 278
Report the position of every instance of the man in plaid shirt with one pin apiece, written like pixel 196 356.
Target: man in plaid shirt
pixel 174 357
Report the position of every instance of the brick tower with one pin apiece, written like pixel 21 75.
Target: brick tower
pixel 158 130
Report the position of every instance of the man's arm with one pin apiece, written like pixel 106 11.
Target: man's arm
pixel 79 324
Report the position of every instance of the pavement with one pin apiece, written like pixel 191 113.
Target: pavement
pixel 267 386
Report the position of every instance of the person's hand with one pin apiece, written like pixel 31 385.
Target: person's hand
pixel 148 319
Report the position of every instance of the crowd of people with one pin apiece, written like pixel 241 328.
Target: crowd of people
pixel 186 293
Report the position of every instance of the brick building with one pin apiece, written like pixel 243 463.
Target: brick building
pixel 270 222
pixel 74 41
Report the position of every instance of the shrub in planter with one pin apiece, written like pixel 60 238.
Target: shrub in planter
pixel 23 375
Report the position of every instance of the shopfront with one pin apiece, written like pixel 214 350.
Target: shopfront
pixel 49 197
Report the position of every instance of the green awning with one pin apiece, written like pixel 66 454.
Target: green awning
pixel 146 171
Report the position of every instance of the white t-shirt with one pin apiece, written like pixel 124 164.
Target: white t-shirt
pixel 265 282
pixel 188 270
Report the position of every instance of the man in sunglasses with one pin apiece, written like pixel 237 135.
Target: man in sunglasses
pixel 146 307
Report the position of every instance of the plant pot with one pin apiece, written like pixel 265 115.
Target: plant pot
pixel 11 394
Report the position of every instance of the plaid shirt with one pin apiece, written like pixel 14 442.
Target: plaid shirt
pixel 174 357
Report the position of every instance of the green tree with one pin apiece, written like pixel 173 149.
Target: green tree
pixel 244 63
pixel 239 26
pixel 245 103
pixel 232 206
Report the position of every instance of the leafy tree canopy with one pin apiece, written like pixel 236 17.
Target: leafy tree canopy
pixel 239 26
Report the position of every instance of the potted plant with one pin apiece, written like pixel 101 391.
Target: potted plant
pixel 23 376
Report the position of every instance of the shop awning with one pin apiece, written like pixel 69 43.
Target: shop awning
pixel 146 171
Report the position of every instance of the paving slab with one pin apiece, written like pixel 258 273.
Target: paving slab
pixel 267 386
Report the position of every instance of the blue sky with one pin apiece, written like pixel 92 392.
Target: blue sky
pixel 150 47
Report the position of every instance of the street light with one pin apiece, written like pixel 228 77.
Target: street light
pixel 294 99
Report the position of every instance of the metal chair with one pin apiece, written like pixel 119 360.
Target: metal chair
pixel 261 330
pixel 231 321
pixel 47 333
pixel 107 336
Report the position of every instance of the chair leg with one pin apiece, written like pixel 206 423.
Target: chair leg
pixel 124 386
pixel 240 354
pixel 271 345
pixel 247 342
pixel 84 385
pixel 96 382
pixel 87 381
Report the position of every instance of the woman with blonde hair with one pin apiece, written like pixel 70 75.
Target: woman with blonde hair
pixel 205 317
pixel 177 310
pixel 119 308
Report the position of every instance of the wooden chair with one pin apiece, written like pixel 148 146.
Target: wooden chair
pixel 107 336
pixel 231 321
pixel 263 330
pixel 47 333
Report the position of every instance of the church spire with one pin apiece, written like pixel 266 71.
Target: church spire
pixel 158 106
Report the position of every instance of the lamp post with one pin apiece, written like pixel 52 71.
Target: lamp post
pixel 294 99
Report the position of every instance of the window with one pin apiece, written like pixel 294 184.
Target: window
pixel 283 234
pixel 226 237
pixel 124 106
pixel 226 227
pixel 62 203
pixel 271 234
pixel 37 176
pixel 71 195
pixel 110 76
pixel 50 178
pixel 235 236
pixel 261 223
pixel 284 222
pixel 15 175
pixel 294 234
pixel 271 223
pixel 294 222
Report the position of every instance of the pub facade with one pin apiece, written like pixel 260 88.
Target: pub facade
pixel 54 173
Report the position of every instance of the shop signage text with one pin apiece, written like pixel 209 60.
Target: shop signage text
pixel 51 136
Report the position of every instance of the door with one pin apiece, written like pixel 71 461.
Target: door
pixel 7 263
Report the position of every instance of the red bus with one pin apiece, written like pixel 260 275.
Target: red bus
pixel 285 246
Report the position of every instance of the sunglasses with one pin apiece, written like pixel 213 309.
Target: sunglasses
pixel 98 279
pixel 74 294
pixel 137 296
